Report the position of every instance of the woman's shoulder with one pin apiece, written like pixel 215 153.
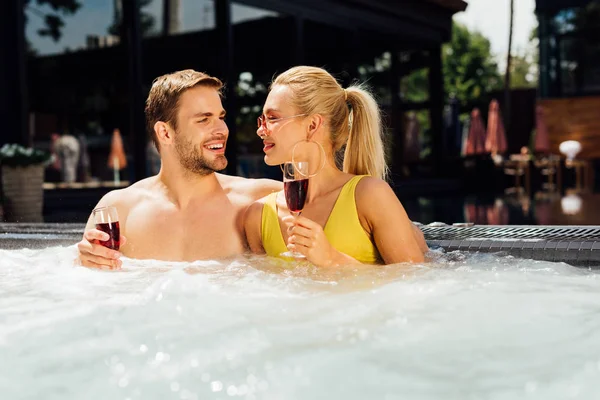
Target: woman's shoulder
pixel 371 190
pixel 257 205
pixel 369 183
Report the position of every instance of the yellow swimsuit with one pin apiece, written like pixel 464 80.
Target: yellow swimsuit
pixel 343 228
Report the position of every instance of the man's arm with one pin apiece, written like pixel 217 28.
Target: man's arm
pixel 260 188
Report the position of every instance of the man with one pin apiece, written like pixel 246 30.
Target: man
pixel 187 212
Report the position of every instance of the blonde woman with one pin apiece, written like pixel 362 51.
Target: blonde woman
pixel 351 215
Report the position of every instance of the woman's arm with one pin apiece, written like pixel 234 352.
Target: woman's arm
pixel 393 232
pixel 308 238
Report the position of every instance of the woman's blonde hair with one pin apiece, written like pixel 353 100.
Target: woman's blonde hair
pixel 358 127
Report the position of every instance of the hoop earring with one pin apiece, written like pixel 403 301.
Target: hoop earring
pixel 323 157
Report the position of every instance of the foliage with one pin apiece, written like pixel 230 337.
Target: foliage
pixel 524 71
pixel 469 67
pixel 54 20
pixel 15 155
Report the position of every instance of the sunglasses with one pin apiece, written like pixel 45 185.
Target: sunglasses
pixel 262 120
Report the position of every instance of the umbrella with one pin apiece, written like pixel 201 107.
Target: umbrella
pixel 495 141
pixel 116 158
pixel 476 138
pixel 542 139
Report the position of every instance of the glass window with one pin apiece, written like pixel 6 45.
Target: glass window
pixel 242 13
pixel 184 16
pixel 254 77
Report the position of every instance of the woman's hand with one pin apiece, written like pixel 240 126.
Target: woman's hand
pixel 307 238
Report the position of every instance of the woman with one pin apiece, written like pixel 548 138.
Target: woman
pixel 350 216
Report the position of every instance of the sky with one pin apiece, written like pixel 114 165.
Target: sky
pixel 491 18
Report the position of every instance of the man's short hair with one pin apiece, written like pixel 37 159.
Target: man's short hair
pixel 163 100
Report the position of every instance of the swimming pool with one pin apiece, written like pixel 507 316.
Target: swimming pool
pixel 482 326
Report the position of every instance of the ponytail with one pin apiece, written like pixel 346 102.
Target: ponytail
pixel 359 130
pixel 364 154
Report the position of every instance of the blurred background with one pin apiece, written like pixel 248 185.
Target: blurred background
pixel 490 106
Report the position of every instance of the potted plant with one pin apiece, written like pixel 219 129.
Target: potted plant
pixel 22 182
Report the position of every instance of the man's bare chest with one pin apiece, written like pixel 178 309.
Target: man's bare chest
pixel 209 232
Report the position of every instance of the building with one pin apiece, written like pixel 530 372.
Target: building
pixel 569 91
pixel 96 75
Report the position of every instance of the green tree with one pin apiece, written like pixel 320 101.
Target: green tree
pixel 469 67
pixel 523 71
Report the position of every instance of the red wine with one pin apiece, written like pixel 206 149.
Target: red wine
pixel 295 194
pixel 113 230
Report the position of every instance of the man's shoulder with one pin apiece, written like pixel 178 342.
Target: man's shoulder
pixel 131 194
pixel 250 187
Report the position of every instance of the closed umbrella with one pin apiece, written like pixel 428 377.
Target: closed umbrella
pixel 476 138
pixel 116 158
pixel 495 142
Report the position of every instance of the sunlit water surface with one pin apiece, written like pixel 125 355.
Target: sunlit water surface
pixel 461 327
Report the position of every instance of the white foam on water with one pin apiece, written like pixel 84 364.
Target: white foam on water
pixel 460 327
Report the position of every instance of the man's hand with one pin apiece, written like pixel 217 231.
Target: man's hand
pixel 94 255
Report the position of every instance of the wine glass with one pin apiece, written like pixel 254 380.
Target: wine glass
pixel 107 220
pixel 295 187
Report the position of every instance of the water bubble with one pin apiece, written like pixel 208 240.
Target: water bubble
pixel 574 390
pixel 232 390
pixel 143 348
pixel 216 386
pixel 251 379
pixel 589 367
pixel 530 387
pixel 160 356
pixel 243 389
pixel 123 382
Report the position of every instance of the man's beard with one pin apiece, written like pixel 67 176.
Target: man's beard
pixel 194 161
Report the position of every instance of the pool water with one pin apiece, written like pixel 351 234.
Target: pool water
pixel 461 327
